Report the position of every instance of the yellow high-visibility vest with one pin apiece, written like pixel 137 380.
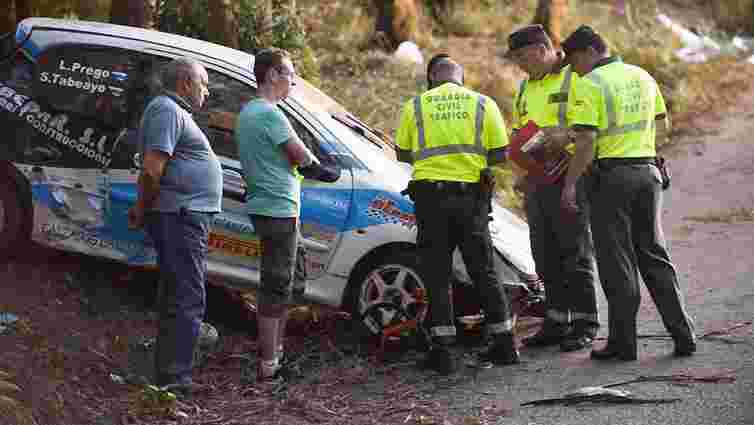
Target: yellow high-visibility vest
pixel 622 102
pixel 545 101
pixel 452 133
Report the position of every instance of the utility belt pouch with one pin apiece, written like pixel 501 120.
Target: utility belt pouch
pixel 662 165
pixel 410 190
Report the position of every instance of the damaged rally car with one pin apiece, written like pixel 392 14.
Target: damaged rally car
pixel 71 98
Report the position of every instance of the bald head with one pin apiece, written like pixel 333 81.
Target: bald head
pixel 445 70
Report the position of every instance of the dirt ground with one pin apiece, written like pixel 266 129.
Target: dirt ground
pixel 82 322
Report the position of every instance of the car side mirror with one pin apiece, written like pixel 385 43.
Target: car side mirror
pixel 320 172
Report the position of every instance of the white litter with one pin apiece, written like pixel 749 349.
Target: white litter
pixel 408 51
pixel 696 49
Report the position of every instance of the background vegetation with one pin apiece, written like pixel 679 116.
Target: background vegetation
pixel 337 48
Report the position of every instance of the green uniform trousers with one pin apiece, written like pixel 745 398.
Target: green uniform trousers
pixel 626 205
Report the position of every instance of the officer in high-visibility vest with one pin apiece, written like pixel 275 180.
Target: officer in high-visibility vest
pixel 562 247
pixel 616 112
pixel 451 135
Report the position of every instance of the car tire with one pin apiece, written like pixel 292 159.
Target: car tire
pixel 14 222
pixel 384 292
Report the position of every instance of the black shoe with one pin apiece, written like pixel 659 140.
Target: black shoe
pixel 440 360
pixel 609 353
pixel 545 337
pixel 575 342
pixel 684 349
pixel 501 354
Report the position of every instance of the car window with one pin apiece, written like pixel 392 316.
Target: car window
pixel 90 82
pixel 322 151
pixel 227 96
pixel 77 101
pixel 16 71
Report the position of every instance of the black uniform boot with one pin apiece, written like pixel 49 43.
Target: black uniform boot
pixel 581 336
pixel 441 360
pixel 502 352
pixel 551 333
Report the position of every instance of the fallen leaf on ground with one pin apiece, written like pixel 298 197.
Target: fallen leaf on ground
pixel 8 388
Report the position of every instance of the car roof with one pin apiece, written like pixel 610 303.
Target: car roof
pixel 241 61
pixel 236 60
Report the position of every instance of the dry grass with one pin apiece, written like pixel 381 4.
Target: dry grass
pixel 734 15
pixel 485 17
pixel 374 86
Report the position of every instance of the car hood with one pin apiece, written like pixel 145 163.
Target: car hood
pixel 510 234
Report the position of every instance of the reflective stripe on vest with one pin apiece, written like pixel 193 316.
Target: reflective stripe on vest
pixel 563 107
pixel 612 125
pixel 565 88
pixel 424 152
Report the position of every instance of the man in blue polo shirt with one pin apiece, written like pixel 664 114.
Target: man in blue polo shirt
pixel 180 189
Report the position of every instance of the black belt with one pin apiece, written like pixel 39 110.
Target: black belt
pixel 608 163
pixel 446 185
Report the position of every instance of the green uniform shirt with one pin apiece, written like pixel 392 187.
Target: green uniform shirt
pixel 621 101
pixel 456 133
pixel 545 101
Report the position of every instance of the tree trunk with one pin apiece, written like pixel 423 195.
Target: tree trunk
pixel 222 24
pixel 135 13
pixel 23 9
pixel 8 21
pixel 183 9
pixel 550 14
pixel 86 9
pixel 397 21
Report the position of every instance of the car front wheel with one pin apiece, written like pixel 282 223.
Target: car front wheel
pixel 389 292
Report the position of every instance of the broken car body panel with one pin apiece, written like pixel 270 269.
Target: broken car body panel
pixel 73 100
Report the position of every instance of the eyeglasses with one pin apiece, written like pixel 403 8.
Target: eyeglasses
pixel 286 73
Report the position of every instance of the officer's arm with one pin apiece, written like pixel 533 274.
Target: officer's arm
pixel 405 134
pixel 495 134
pixel 584 138
pixel 663 127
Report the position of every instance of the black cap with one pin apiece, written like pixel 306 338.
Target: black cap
pixel 528 35
pixel 581 39
pixel 436 58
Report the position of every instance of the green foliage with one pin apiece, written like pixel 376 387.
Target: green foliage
pixel 283 29
pixel 257 28
pixel 193 25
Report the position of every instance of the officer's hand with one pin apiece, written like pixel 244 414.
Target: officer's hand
pixel 556 138
pixel 568 200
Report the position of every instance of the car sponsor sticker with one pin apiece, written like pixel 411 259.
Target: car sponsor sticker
pixel 386 210
pixel 229 245
pixel 56 127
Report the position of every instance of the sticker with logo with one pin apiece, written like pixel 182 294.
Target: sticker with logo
pixel 386 210
pixel 85 78
pixel 56 127
pixel 233 246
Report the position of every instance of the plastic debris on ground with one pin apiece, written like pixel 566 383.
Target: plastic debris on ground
pixel 598 395
pixel 701 48
pixel 6 321
pixel 408 51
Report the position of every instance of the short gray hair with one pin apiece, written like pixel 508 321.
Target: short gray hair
pixel 177 69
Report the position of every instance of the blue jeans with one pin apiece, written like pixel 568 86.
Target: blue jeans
pixel 181 243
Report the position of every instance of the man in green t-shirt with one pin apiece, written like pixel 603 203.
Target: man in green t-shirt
pixel 270 152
